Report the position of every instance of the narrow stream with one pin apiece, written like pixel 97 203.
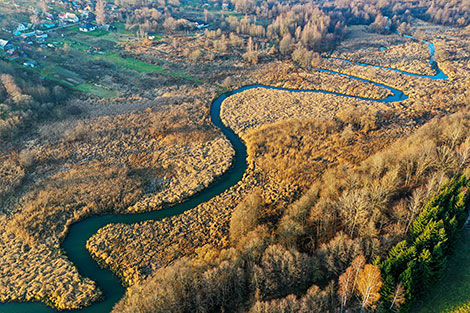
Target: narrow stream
pixel 432 62
pixel 79 233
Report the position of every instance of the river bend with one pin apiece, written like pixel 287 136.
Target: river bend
pixel 79 233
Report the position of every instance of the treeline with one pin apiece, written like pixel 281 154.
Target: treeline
pixel 414 264
pixel 23 100
pixel 298 30
pixel 284 29
pixel 146 20
pixel 435 11
pixel 304 23
pixel 284 259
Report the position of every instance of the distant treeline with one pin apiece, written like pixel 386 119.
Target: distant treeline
pixel 23 98
pixel 296 29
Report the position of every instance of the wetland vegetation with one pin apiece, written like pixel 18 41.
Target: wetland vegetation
pixel 362 180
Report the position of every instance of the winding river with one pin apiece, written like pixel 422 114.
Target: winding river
pixel 79 233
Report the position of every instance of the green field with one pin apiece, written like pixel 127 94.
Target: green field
pixel 80 42
pixel 452 291
pixel 133 64
pixel 96 90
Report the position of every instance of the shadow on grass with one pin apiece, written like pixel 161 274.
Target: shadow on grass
pixel 453 289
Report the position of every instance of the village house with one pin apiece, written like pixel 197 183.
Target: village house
pixel 87 27
pixel 20 28
pixel 11 53
pixel 28 35
pixel 94 49
pixel 41 36
pixel 31 63
pixel 68 17
pixel 84 14
pixel 27 39
pixel 49 24
pixel 88 8
pixel 200 25
pixel 107 27
pixel 4 44
pixel 48 16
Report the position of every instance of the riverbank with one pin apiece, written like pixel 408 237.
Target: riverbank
pixel 130 241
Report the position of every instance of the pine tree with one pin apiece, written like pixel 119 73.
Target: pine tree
pixel 421 222
pixel 408 282
pixel 439 261
pixel 387 290
pixel 423 272
pixel 398 258
pixel 433 233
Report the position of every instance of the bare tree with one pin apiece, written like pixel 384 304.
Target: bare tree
pixel 353 206
pixel 347 281
pixel 463 154
pixel 416 204
pixel 286 44
pixel 227 82
pixel 346 287
pixel 43 5
pixel 245 216
pixel 170 24
pixel 66 49
pixel 35 20
pixel 398 297
pixel 100 11
pixel 206 15
pixel 195 56
pixel 368 286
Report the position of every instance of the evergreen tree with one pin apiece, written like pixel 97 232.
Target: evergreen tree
pixel 423 273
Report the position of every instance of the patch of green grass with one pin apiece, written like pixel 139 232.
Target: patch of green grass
pixel 60 75
pixel 223 12
pixel 96 90
pixel 142 67
pixel 157 36
pixel 80 42
pixel 118 36
pixel 452 292
pixel 130 63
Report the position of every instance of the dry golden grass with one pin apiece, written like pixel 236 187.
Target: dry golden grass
pixel 387 190
pixel 292 139
pixel 11 175
pixel 286 75
pixel 255 107
pixel 40 272
pixel 363 46
pixel 134 159
pixel 300 150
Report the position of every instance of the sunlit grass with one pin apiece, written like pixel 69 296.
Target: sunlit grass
pixel 96 90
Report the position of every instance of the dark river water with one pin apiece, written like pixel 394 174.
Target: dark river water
pixel 79 233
